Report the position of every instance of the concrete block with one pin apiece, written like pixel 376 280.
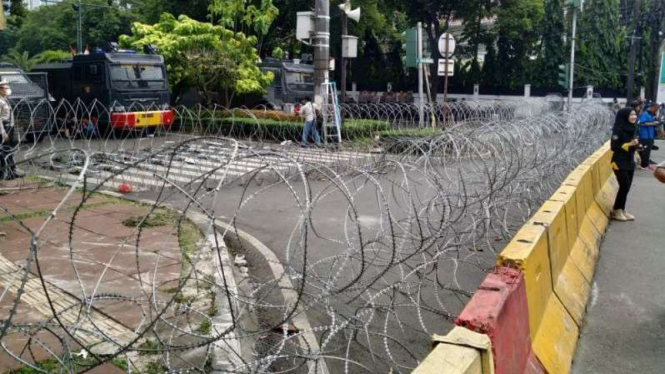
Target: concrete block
pixel 498 309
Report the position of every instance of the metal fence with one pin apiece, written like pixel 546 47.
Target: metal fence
pixel 373 252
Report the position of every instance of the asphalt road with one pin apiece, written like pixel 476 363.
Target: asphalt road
pixel 348 233
pixel 625 324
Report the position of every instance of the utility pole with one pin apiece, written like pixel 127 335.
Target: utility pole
pixel 572 60
pixel 421 94
pixel 633 51
pixel 321 48
pixel 345 31
pixel 445 85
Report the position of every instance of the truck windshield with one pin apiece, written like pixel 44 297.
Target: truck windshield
pixel 299 81
pixel 137 76
pixel 13 77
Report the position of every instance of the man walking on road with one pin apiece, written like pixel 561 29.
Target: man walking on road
pixel 309 112
pixel 8 145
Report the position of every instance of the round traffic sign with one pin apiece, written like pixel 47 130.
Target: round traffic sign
pixel 451 44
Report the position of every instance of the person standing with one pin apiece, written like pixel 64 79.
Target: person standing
pixel 308 111
pixel 616 106
pixel 8 169
pixel 647 124
pixel 660 133
pixel 624 144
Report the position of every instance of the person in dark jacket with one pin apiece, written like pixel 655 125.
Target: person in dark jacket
pixel 625 142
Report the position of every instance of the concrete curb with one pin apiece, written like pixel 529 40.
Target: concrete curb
pixel 227 354
pixel 230 348
pixel 300 321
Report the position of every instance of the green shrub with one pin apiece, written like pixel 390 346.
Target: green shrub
pixel 284 130
pixel 408 140
pixel 409 134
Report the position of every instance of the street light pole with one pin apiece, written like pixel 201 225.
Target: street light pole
pixel 421 94
pixel 572 61
pixel 633 52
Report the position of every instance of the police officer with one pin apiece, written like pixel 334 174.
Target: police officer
pixel 8 145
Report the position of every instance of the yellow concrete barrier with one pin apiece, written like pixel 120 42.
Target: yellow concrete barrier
pixel 569 283
pixel 557 251
pixel 553 331
pixel 462 351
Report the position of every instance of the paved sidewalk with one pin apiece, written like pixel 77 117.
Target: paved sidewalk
pixel 92 252
pixel 625 325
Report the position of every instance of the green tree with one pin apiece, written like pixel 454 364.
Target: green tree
pixel 149 11
pixel 552 52
pixel 653 24
pixel 518 24
pixel 53 56
pixel 489 73
pixel 21 60
pixel 25 62
pixel 246 16
pixel 600 62
pixel 17 11
pixel 53 27
pixel 186 44
pixel 435 16
pixel 474 13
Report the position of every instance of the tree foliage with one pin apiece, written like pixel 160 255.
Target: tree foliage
pixel 524 39
pixel 17 11
pixel 192 49
pixel 552 51
pixel 25 62
pixel 246 16
pixel 600 60
pixel 53 27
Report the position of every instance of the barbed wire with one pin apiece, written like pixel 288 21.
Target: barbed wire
pixel 377 243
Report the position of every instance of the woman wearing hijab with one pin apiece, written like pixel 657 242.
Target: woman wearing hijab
pixel 624 144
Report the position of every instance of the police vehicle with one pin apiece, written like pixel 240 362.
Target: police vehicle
pixel 29 101
pixel 293 81
pixel 121 90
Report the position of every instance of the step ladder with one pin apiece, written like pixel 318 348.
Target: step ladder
pixel 331 113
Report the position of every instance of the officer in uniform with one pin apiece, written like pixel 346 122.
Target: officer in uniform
pixel 8 144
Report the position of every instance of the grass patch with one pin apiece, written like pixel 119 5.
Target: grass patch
pixel 149 347
pixel 409 134
pixel 207 282
pixel 205 327
pixel 156 219
pixel 180 298
pixel 52 365
pixel 213 309
pixel 154 368
pixel 35 179
pixel 120 364
pixel 189 236
pixel 171 290
pixel 26 215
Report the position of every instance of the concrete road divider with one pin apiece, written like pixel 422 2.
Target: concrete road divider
pixel 460 352
pixel 532 306
pixel 498 309
pixel 553 331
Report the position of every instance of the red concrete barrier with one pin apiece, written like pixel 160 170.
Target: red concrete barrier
pixel 499 310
